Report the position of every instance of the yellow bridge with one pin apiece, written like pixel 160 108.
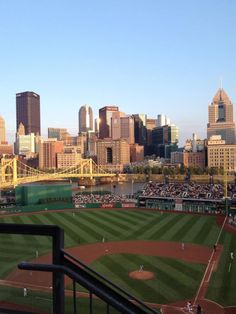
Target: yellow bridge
pixel 14 172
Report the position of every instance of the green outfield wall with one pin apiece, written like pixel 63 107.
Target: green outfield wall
pixel 39 194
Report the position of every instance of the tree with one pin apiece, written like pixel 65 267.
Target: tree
pixel 221 171
pixel 213 171
pixel 166 171
pixel 182 169
pixel 156 170
pixel 147 170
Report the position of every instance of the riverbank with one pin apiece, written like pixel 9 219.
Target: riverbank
pixel 137 177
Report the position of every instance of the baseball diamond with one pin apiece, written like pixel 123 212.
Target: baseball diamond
pixel 132 238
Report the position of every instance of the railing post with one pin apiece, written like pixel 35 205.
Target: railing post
pixel 74 296
pixel 58 277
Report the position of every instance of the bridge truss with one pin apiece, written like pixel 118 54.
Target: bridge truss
pixel 14 172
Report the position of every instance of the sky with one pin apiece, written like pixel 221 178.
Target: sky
pixel 145 56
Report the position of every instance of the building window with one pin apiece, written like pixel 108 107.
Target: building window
pixel 109 155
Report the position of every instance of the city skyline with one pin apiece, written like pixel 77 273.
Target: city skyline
pixel 145 57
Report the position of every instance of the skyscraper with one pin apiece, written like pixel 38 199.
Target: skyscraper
pixel 5 148
pixel 220 117
pixel 140 131
pixel 25 144
pixel 58 133
pixel 162 120
pixel 165 138
pixel 28 112
pixel 48 150
pixel 127 128
pixel 150 125
pixel 105 115
pixel 2 130
pixel 122 126
pixel 21 129
pixel 113 154
pixel 85 119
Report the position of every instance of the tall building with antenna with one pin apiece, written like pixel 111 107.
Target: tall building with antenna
pixel 220 117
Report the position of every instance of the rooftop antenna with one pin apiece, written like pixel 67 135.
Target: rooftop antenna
pixel 221 83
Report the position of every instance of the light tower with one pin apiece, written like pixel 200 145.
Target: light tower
pixel 225 184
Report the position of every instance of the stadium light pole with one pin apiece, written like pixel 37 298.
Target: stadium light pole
pixel 225 184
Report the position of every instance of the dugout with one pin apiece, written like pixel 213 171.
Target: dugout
pixel 42 194
pixel 232 207
pixel 161 203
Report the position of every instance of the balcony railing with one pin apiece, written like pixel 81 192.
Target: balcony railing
pixel 65 264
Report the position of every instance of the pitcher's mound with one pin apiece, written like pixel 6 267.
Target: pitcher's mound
pixel 141 275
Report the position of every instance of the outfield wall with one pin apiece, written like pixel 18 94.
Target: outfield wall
pixel 36 194
pixel 106 205
pixel 36 208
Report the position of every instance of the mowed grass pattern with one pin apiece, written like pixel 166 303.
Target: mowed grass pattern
pixel 173 279
pixel 44 301
pixel 223 283
pixel 176 280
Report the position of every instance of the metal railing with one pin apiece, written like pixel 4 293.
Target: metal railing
pixel 65 264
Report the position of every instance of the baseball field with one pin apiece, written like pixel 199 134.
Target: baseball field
pixel 175 248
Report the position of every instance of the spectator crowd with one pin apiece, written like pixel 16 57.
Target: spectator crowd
pixel 97 198
pixel 232 220
pixel 188 190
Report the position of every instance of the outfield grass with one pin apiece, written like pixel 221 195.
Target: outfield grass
pixel 177 280
pixel 223 283
pixel 174 280
pixel 44 301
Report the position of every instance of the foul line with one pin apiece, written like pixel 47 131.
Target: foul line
pixel 222 227
pixel 209 263
pixel 209 276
